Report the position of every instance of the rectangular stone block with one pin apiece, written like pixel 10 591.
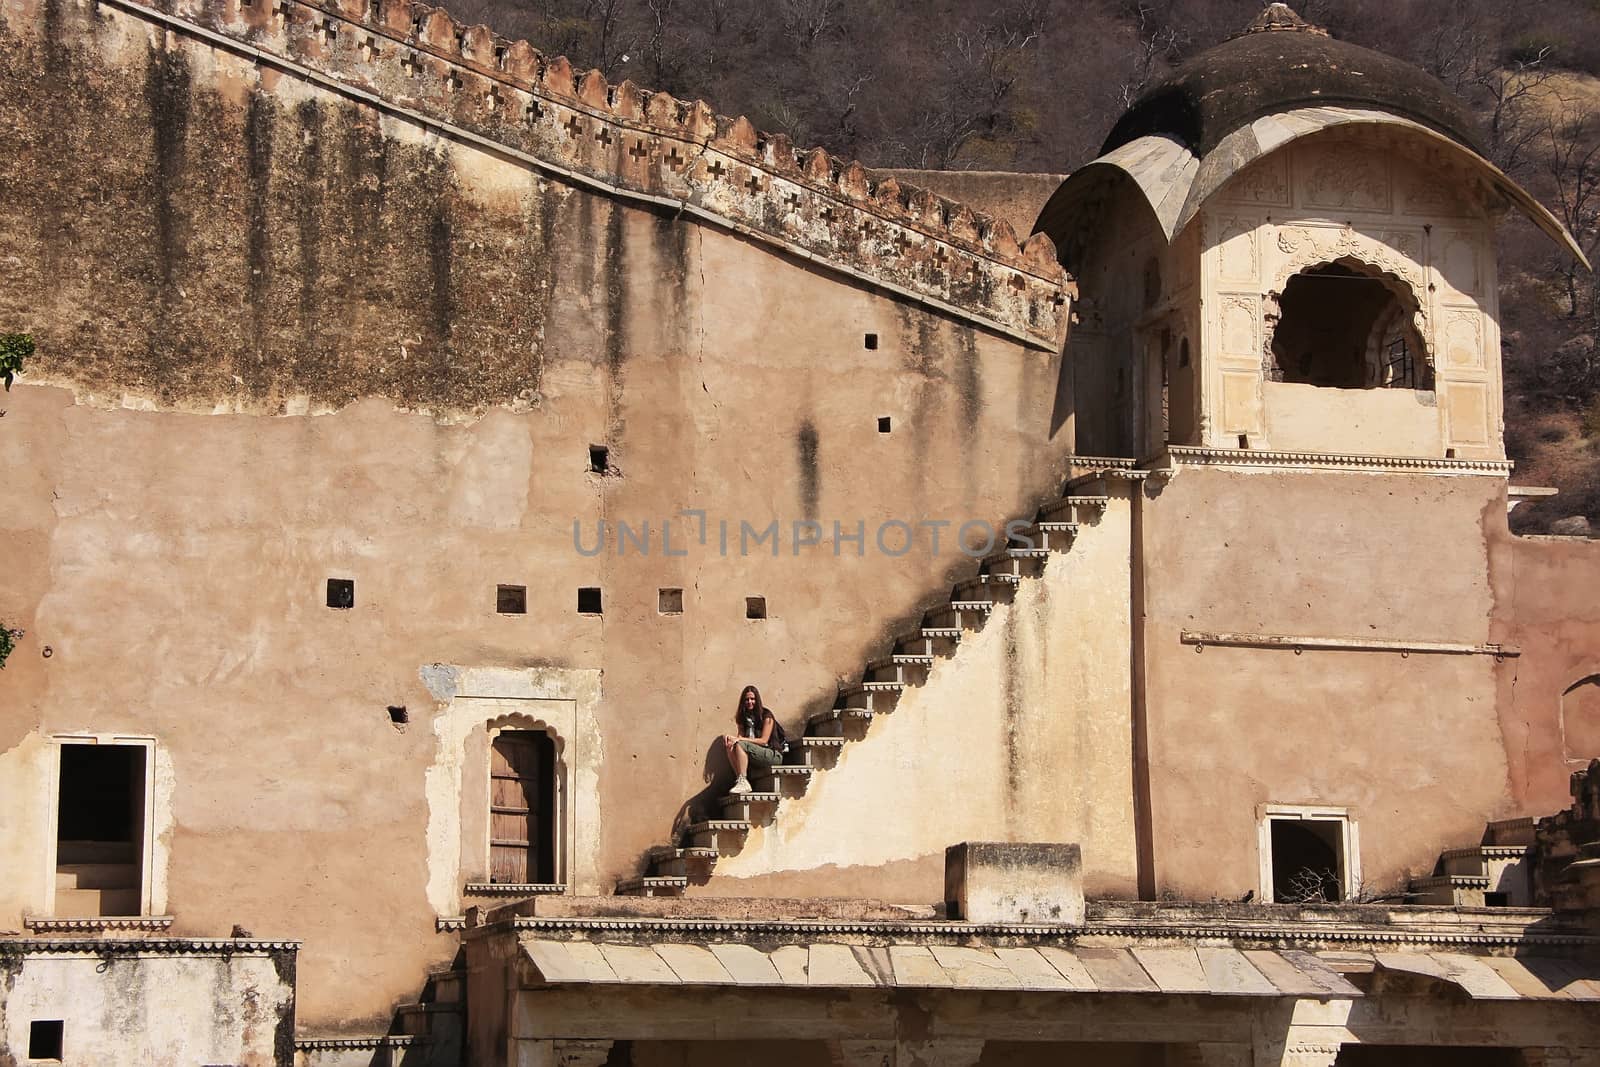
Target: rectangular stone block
pixel 994 882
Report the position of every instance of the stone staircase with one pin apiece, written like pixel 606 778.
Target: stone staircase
pixel 670 869
pixel 429 1033
pixel 1495 873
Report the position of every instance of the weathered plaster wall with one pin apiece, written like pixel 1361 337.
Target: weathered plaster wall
pixel 210 1006
pixel 282 340
pixel 1022 735
pixel 1017 198
pixel 1547 603
pixel 1394 209
pixel 1412 745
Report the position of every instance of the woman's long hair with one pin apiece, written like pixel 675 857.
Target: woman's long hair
pixel 760 712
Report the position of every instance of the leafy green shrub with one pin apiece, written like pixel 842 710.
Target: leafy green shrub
pixel 14 349
pixel 8 641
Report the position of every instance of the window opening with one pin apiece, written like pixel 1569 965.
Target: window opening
pixel 522 809
pixel 589 601
pixel 341 593
pixel 669 601
pixel 1340 328
pixel 44 1039
pixel 511 599
pixel 883 424
pixel 1307 861
pixel 599 458
pixel 871 342
pixel 100 830
pixel 755 607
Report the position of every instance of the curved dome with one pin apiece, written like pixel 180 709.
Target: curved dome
pixel 1279 63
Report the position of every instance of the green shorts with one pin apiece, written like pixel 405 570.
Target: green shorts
pixel 767 757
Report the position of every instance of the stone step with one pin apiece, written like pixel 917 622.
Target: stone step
pixel 1476 860
pixel 830 721
pixel 652 887
pixel 1056 536
pixel 1075 507
pixel 983 587
pixel 93 903
pixel 757 809
pixel 428 1020
pixel 665 861
pixel 820 753
pixel 446 987
pixel 904 667
pixel 789 780
pixel 848 690
pixel 1452 890
pixel 97 876
pixel 724 836
pixel 1509 832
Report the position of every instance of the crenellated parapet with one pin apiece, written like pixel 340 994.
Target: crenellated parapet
pixel 502 96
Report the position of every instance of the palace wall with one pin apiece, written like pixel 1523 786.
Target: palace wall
pixel 284 339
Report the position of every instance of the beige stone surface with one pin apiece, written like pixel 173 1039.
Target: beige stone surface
pixel 1032 971
pixel 914 965
pixel 745 964
pixel 835 965
pixel 974 968
pixel 1227 971
pixel 694 964
pixel 639 964
pixel 1175 970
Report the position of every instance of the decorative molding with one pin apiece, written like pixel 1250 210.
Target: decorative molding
pixel 153 946
pixel 100 922
pixel 370 1043
pixel 445 924
pixel 1191 455
pixel 505 98
pixel 1298 643
pixel 510 889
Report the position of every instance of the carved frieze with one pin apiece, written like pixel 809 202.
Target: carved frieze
pixel 1238 256
pixel 1463 337
pixel 1265 182
pixel 1339 176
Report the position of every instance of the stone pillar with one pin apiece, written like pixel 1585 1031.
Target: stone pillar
pixel 942 1052
pixel 865 1052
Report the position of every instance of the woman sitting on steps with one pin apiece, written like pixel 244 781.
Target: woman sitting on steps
pixel 760 740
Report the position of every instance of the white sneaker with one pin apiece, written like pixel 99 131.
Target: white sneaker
pixel 740 787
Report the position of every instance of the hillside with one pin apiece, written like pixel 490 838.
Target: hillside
pixel 1034 85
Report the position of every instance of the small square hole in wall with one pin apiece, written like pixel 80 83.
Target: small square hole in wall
pixel 589 600
pixel 669 601
pixel 511 599
pixel 599 458
pixel 871 342
pixel 341 593
pixel 398 714
pixel 883 424
pixel 755 607
pixel 44 1039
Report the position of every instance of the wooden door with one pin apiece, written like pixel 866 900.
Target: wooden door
pixel 522 809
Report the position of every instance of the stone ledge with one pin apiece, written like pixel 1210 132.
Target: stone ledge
pixel 172 946
pixel 99 922
pixel 1187 455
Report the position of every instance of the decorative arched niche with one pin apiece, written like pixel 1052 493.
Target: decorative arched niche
pixel 1346 313
pixel 527 837
pixel 1580 720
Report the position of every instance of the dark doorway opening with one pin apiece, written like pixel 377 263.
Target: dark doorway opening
pixel 1307 861
pixel 100 830
pixel 1343 329
pixel 522 809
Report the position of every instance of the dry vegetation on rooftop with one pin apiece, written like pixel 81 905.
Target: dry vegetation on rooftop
pixel 1035 85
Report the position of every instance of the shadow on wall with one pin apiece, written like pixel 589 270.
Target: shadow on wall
pixel 717 773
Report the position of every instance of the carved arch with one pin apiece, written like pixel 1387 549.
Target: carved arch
pixel 1578 738
pixel 1302 252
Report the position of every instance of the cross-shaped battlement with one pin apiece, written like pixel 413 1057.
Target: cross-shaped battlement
pixel 533 112
pixel 675 160
pixel 753 183
pixel 901 242
pixel 328 30
pixel 603 135
pixel 573 125
pixel 452 81
pixel 639 150
pixel 369 49
pixel 792 198
pixel 491 99
pixel 411 64
pixel 716 169
pixel 940 254
pixel 280 10
pixel 826 212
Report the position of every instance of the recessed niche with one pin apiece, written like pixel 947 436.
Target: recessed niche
pixel 871 342
pixel 398 714
pixel 44 1039
pixel 755 607
pixel 599 458
pixel 883 424
pixel 589 600
pixel 341 593
pixel 511 599
pixel 669 601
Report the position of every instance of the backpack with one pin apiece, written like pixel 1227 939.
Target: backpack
pixel 779 739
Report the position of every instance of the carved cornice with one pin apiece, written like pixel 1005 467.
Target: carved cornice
pixel 1187 455
pixel 100 922
pixel 504 97
pixel 144 946
pixel 371 1042
pixel 508 889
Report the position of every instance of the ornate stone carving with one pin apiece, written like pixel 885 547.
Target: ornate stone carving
pixel 1345 178
pixel 1265 181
